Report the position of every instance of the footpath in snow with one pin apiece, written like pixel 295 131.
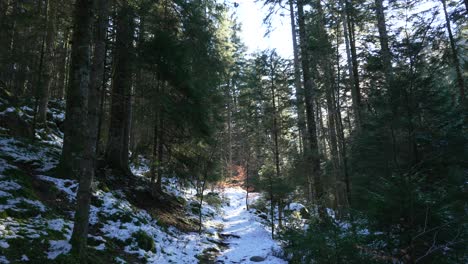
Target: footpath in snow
pixel 249 241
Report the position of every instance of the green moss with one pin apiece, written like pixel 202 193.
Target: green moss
pixel 66 259
pixel 144 241
pixel 23 214
pixel 181 200
pixel 124 217
pixel 3 214
pixel 213 199
pixel 103 186
pixel 23 179
pixel 195 210
pixel 33 249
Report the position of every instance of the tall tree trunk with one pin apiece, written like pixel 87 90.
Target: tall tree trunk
pixel 352 65
pixel 456 60
pixel 47 71
pixel 229 123
pixel 61 82
pixel 78 128
pixel 309 87
pixel 116 155
pixel 297 81
pixel 383 39
pixel 325 55
pixel 154 149
pixel 160 143
pixel 97 68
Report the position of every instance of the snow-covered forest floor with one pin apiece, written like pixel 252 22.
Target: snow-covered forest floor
pixel 36 212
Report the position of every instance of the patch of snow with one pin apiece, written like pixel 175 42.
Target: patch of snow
pixel 4 260
pixel 4 165
pixel 58 247
pixel 12 203
pixel 4 194
pixel 100 247
pixel 43 157
pixel 9 186
pixel 56 224
pixel 68 186
pixel 119 260
pixel 24 258
pixel 294 207
pixel 4 244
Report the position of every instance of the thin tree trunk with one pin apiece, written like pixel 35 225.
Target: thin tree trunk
pixel 154 153
pixel 154 150
pixel 309 87
pixel 61 82
pixel 383 38
pixel 229 112
pixel 78 131
pixel 47 71
pixel 354 79
pixel 247 172
pixel 456 60
pixel 160 144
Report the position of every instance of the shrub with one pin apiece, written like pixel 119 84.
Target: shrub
pixel 144 241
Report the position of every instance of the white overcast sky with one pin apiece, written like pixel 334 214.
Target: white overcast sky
pixel 250 14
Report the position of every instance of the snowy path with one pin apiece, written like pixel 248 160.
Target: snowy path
pixel 251 242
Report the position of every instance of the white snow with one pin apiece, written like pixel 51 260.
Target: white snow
pixel 12 203
pixel 4 260
pixel 58 247
pixel 67 186
pixel 255 239
pixel 294 207
pixel 9 186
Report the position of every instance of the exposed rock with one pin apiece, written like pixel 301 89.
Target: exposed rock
pixel 228 236
pixel 257 259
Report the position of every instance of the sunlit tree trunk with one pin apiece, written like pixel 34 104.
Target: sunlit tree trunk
pixel 384 43
pixel 297 81
pixel 352 65
pixel 456 60
pixel 309 87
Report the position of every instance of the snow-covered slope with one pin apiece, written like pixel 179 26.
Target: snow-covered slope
pixel 37 207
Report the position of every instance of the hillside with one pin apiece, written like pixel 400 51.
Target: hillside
pixel 127 225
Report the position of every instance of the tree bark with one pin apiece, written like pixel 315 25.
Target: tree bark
pixel 352 64
pixel 78 136
pixel 116 155
pixel 383 39
pixel 456 60
pixel 160 144
pixel 97 68
pixel 47 71
pixel 297 81
pixel 61 82
pixel 309 87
